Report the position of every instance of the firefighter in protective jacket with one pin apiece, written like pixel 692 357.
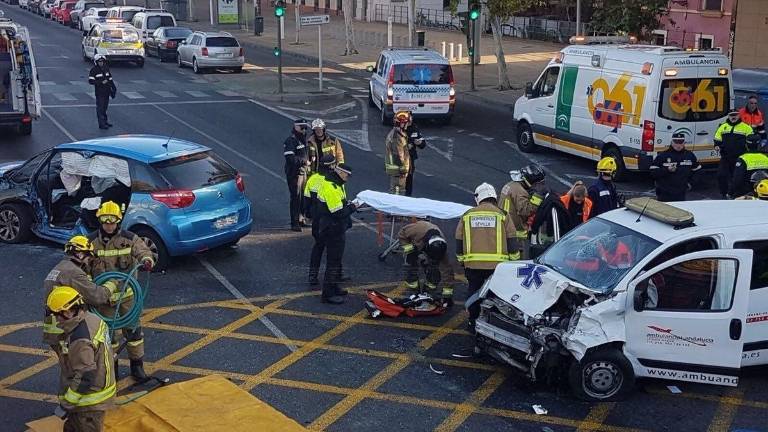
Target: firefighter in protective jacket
pixel 73 271
pixel 121 251
pixel 424 246
pixel 519 199
pixel 86 382
pixel 397 159
pixel 320 144
pixel 485 236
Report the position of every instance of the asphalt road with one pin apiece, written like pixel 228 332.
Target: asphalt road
pixel 326 367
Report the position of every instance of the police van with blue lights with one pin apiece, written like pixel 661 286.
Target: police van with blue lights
pixel 600 97
pixel 412 79
pixel 676 291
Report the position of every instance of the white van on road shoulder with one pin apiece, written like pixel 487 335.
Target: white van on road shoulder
pixel 626 101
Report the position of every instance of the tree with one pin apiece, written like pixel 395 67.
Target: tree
pixel 349 28
pixel 499 11
pixel 635 17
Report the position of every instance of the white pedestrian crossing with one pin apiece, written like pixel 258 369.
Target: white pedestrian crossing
pixel 140 82
pixel 132 95
pixel 349 79
pixel 195 93
pixel 47 83
pixel 228 93
pixel 357 88
pixel 164 94
pixel 79 83
pixel 64 97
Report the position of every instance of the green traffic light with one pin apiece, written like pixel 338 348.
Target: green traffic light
pixel 279 11
pixel 474 14
pixel 276 51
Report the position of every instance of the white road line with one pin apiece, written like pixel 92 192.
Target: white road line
pixel 238 295
pixel 58 125
pixel 133 104
pixel 461 188
pixel 300 79
pixel 358 88
pixel 64 97
pixel 140 82
pixel 195 93
pixel 349 79
pixel 229 93
pixel 341 120
pixel 164 93
pixel 132 95
pixel 78 83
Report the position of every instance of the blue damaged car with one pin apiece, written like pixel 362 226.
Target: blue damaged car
pixel 179 196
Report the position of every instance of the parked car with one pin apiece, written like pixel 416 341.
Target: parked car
pixel 23 4
pixel 80 8
pixel 180 196
pixel 44 9
pixel 65 8
pixel 53 10
pixel 164 42
pixel 117 41
pixel 148 21
pixel 93 16
pixel 32 5
pixel 124 13
pixel 211 50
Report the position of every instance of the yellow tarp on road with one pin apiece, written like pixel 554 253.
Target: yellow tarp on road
pixel 210 404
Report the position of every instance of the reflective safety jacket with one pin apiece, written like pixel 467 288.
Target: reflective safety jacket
pixel 519 205
pixel 121 252
pixel 413 235
pixel 754 119
pixel 731 138
pixel 485 236
pixel 578 214
pixel 745 166
pixel 69 273
pixel 397 158
pixel 87 380
pixel 317 149
pixel 296 155
pixel 333 209
pixel 102 81
pixel 310 193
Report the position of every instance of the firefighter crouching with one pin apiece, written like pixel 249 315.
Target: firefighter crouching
pixel 72 271
pixel 397 159
pixel 424 246
pixel 121 251
pixel 485 236
pixel 86 382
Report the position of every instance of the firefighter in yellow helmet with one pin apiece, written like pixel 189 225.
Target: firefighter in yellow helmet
pixel 520 199
pixel 759 189
pixel 485 236
pixel 121 251
pixel 74 271
pixel 86 382
pixel 603 192
pixel 397 158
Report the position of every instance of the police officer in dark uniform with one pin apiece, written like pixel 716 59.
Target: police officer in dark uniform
pixel 730 139
pixel 674 170
pixel 297 165
pixel 105 88
pixel 746 165
pixel 415 142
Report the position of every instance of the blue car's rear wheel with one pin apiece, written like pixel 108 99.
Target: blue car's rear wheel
pixel 156 245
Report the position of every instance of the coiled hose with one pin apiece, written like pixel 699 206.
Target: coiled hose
pixel 130 319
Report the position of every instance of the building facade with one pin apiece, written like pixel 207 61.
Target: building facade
pixel 750 44
pixel 697 24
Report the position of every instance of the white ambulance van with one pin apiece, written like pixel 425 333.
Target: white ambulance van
pixel 626 101
pixel 676 291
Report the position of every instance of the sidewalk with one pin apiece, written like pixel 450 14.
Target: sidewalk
pixel 525 58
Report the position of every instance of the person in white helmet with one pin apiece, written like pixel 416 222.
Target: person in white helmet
pixel 101 79
pixel 477 242
pixel 320 144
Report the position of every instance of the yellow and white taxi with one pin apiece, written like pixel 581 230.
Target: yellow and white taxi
pixel 114 39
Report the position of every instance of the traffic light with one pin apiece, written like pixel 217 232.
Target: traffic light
pixel 471 51
pixel 474 11
pixel 276 51
pixel 279 9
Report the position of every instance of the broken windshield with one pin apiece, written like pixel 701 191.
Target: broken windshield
pixel 598 254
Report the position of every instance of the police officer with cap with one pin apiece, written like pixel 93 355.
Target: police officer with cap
pixel 730 139
pixel 674 170
pixel 747 164
pixel 297 165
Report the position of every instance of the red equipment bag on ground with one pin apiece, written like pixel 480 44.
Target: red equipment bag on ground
pixel 421 304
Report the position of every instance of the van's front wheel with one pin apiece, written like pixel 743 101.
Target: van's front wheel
pixel 525 141
pixel 601 376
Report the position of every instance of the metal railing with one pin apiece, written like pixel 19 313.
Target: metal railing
pixel 541 29
pixel 428 18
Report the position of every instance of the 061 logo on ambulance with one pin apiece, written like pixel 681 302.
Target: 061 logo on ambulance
pixel 613 101
pixel 705 98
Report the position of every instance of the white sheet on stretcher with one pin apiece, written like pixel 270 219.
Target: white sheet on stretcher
pixel 408 206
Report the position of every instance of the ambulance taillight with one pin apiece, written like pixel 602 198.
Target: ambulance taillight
pixel 649 136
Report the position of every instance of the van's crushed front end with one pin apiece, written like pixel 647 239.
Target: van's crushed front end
pixel 531 319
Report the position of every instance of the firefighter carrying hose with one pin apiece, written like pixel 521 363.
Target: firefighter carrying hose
pixel 121 251
pixel 86 381
pixel 424 247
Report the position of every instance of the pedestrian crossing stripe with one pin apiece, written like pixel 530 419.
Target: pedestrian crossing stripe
pixel 132 95
pixel 195 93
pixel 293 69
pixel 165 94
pixel 64 97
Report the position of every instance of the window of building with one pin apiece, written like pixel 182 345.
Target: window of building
pixel 712 5
pixel 704 42
pixel 659 37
